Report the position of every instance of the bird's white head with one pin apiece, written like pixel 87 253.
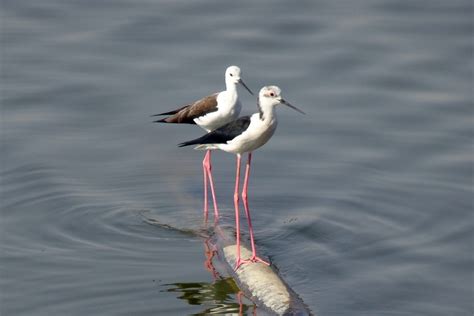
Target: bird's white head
pixel 232 78
pixel 232 74
pixel 270 96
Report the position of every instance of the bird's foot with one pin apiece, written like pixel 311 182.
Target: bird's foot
pixel 238 263
pixel 253 259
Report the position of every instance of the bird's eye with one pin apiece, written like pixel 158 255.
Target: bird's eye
pixel 231 75
pixel 272 94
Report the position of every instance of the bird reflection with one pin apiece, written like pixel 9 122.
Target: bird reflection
pixel 210 250
pixel 222 296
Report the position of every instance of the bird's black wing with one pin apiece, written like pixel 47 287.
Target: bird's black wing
pixel 223 134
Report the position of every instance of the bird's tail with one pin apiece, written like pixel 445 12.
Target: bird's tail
pixel 170 112
pixel 163 120
pixel 189 143
pixel 167 113
pixel 166 119
pixel 203 142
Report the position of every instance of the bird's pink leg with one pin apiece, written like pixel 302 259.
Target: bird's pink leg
pixel 238 260
pixel 254 257
pixel 211 182
pixel 204 169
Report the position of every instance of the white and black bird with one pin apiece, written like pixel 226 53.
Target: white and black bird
pixel 244 135
pixel 210 113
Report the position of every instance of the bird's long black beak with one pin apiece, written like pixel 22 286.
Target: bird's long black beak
pixel 283 101
pixel 245 86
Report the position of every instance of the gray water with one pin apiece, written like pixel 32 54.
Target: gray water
pixel 364 204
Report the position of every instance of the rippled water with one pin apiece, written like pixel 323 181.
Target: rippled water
pixel 364 204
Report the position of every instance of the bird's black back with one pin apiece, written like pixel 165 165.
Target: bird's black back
pixel 222 134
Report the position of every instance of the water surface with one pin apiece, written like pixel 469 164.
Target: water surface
pixel 364 204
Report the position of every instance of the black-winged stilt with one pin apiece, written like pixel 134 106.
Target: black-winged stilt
pixel 244 135
pixel 210 113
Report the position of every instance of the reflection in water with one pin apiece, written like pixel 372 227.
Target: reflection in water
pixel 220 296
pixel 210 251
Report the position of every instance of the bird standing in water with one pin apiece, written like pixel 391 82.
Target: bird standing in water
pixel 244 135
pixel 211 112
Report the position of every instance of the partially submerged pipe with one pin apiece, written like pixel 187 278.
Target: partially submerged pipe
pixel 259 282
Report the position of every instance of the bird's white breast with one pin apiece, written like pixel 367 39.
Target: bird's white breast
pixel 256 135
pixel 228 109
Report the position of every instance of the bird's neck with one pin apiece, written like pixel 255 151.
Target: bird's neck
pixel 231 87
pixel 266 112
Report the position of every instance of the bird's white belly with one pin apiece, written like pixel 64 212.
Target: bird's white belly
pixel 254 137
pixel 228 109
pixel 214 120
